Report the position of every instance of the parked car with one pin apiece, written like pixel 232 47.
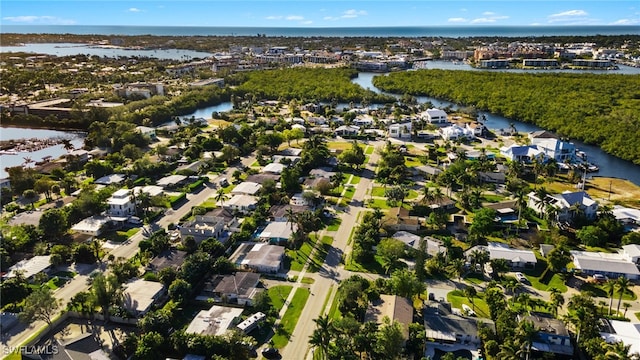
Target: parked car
pixel 599 278
pixel 520 276
pixel 271 353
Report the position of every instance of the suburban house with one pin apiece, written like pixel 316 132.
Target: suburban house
pixel 203 227
pixel 448 332
pixel 522 153
pixel 170 258
pixel 552 336
pixel 426 170
pixel 121 204
pixel 629 217
pixel 113 179
pixel 85 346
pixel 286 159
pixel 552 147
pixel 252 322
pixel 400 131
pixel 246 188
pixel 215 321
pixel 260 257
pixel 291 152
pixel 518 259
pixel 278 231
pixel 92 226
pixel 29 267
pixel 298 200
pixel 565 204
pixel 241 203
pixel 140 295
pixel 193 167
pixel 347 130
pixel 273 168
pixel 395 308
pixel 435 116
pixel 492 177
pixel 477 128
pixel 456 132
pixel 172 181
pixel 239 288
pixel 279 212
pixel 624 263
pixel 398 219
pixel 622 331
pixel 322 172
pixel 151 190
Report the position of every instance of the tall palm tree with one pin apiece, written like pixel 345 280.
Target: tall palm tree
pixel 626 307
pixel 610 288
pixel 66 143
pixel 322 335
pixel 526 333
pixel 291 217
pixel 541 195
pixel 623 285
pixel 557 300
pixel 220 196
pixel 470 292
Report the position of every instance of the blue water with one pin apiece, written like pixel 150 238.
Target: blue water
pixel 399 31
pixel 70 49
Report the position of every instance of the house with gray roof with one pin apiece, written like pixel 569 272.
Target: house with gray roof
pixel 260 257
pixel 624 263
pixel 517 258
pixel 238 288
pixel 565 204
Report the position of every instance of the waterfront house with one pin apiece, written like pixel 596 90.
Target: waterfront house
pixel 553 148
pixel 522 153
pixel 568 205
pixel 435 116
pixel 400 131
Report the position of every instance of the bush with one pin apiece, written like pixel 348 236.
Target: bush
pixel 174 200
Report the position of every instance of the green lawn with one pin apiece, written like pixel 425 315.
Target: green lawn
pixel 67 274
pixel 492 198
pixel 369 150
pixel 120 236
pixel 379 203
pixel 320 254
pixel 412 161
pixel 334 224
pixel 638 315
pixel 348 192
pixel 377 191
pixel 307 280
pixel 412 195
pixel 474 278
pixel 278 294
pixel 541 284
pixel 210 203
pixel 255 164
pixel 374 267
pixel 290 318
pixel 599 291
pixel 354 180
pixel 457 298
pixel 299 257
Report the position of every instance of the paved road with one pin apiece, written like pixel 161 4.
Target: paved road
pixel 328 277
pixel 20 333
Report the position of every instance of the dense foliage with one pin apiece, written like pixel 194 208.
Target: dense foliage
pixel 598 109
pixel 305 83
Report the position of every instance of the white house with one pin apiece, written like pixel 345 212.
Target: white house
pixel 140 295
pixel 477 128
pixel 240 202
pixel 456 132
pixel 259 257
pixel 121 204
pixel 273 168
pixel 347 130
pixel 623 331
pixel 400 131
pixel 435 116
pixel 552 147
pixel 246 188
pixel 517 258
pixel 147 131
pixel 278 231
pixel 565 203
pixel 613 265
pixel 522 153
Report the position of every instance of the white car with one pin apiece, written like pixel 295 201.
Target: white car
pixel 520 276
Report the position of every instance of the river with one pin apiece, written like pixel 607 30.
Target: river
pixel 610 166
pixel 7 133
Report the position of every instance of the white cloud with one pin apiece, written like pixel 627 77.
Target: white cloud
pixel 41 20
pixel 626 22
pixel 353 13
pixel 295 17
pixel 570 13
pixel 488 19
pixel 274 17
pixel 457 20
pixel 134 10
pixel 488 13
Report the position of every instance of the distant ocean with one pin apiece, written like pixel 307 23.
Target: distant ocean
pixel 396 31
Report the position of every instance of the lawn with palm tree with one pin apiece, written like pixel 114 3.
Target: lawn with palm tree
pixel 290 318
pixel 457 298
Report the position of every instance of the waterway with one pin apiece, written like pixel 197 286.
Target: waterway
pixel 71 49
pixel 7 133
pixel 610 166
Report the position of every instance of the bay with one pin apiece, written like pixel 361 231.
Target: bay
pixel 71 49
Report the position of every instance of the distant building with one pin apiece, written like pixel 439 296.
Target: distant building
pixel 494 64
pixel 206 82
pixel 139 90
pixel 547 63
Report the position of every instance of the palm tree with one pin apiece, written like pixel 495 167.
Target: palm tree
pixel 291 217
pixel 617 350
pixel 626 307
pixel 525 300
pixel 521 203
pixel 322 335
pixel 557 300
pixel 610 288
pixel 623 285
pixel 220 196
pixel 457 267
pixel 66 143
pixel 551 213
pixel 470 292
pixel 27 160
pixel 541 194
pixel 526 333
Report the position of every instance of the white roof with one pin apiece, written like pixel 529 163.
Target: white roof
pixel 215 321
pixel 251 320
pixel 408 238
pixel 171 180
pixel 633 250
pixel 604 262
pixel 247 187
pixel 140 294
pixel 240 200
pixel 627 332
pixel 110 179
pixel 625 213
pixel 30 267
pixel 503 251
pixel 90 224
pixel 151 190
pixel 275 168
pixel 277 230
pixel 433 112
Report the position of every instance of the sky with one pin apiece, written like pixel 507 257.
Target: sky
pixel 316 13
